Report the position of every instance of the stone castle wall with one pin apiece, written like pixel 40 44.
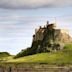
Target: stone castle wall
pixel 36 68
pixel 39 35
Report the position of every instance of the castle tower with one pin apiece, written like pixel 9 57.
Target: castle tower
pixel 55 23
pixel 47 23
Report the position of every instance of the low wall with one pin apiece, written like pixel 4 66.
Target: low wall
pixel 34 68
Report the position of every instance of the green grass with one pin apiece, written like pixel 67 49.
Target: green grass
pixel 50 58
pixel 60 57
pixel 4 54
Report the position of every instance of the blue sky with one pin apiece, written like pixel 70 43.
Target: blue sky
pixel 18 22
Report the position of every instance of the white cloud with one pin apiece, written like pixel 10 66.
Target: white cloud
pixel 33 3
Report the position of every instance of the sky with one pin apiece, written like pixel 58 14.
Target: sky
pixel 19 18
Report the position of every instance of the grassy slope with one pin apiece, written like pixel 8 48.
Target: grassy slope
pixel 60 57
pixel 4 56
pixel 54 58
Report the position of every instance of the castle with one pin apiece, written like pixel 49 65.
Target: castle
pixel 49 37
pixel 39 33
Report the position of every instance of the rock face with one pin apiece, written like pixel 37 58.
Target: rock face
pixel 65 38
pixel 49 38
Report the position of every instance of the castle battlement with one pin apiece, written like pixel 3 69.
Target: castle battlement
pixel 39 33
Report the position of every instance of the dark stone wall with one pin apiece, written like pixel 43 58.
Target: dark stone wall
pixel 35 68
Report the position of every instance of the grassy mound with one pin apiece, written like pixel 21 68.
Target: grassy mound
pixel 50 58
pixel 4 54
pixel 60 57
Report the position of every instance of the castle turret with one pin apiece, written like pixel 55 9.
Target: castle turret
pixel 47 22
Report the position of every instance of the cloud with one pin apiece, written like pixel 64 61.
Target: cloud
pixel 27 4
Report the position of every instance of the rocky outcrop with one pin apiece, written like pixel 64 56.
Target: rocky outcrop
pixel 65 38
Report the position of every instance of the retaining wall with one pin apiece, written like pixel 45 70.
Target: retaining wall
pixel 34 68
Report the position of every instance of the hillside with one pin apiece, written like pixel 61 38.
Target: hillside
pixel 4 54
pixel 60 57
